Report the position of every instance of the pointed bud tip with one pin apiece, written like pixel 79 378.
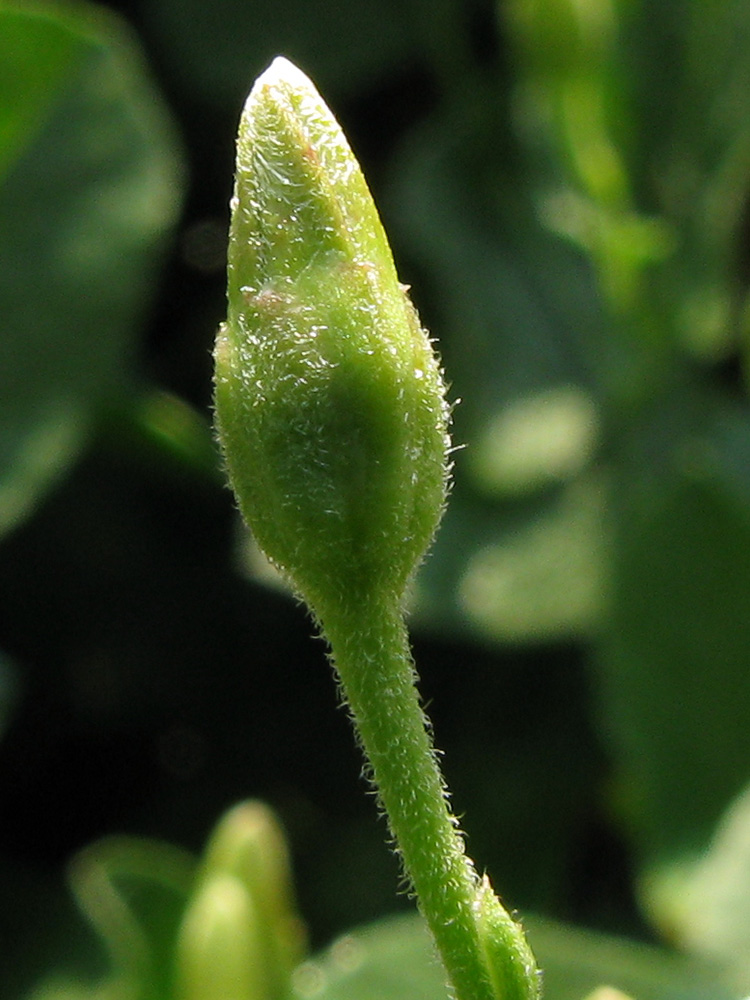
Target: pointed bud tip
pixel 282 68
pixel 280 74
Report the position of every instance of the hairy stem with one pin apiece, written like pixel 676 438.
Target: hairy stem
pixel 372 658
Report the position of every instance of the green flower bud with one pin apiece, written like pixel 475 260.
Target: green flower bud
pixel 330 404
pixel 219 947
pixel 248 844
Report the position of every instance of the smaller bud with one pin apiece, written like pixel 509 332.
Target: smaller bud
pixel 219 952
pixel 608 993
pixel 248 844
pixel 510 963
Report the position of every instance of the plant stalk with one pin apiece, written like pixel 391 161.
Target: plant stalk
pixel 372 657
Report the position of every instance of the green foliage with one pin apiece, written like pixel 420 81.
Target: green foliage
pixel 565 185
pixel 89 185
pixel 705 904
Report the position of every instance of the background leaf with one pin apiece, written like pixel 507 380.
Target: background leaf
pixel 90 187
pixel 395 959
pixel 674 661
pixel 704 904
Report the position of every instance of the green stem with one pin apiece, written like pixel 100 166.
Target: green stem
pixel 372 658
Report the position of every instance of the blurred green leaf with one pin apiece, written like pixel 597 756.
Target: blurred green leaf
pixel 394 959
pixel 540 439
pixel 705 905
pixel 89 185
pixel 58 988
pixel 573 115
pixel 33 65
pixel 693 111
pixel 133 892
pixel 675 685
pixel 691 108
pixel 569 105
pixel 546 579
pixel 644 159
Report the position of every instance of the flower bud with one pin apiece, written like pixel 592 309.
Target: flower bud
pixel 219 948
pixel 330 404
pixel 249 845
